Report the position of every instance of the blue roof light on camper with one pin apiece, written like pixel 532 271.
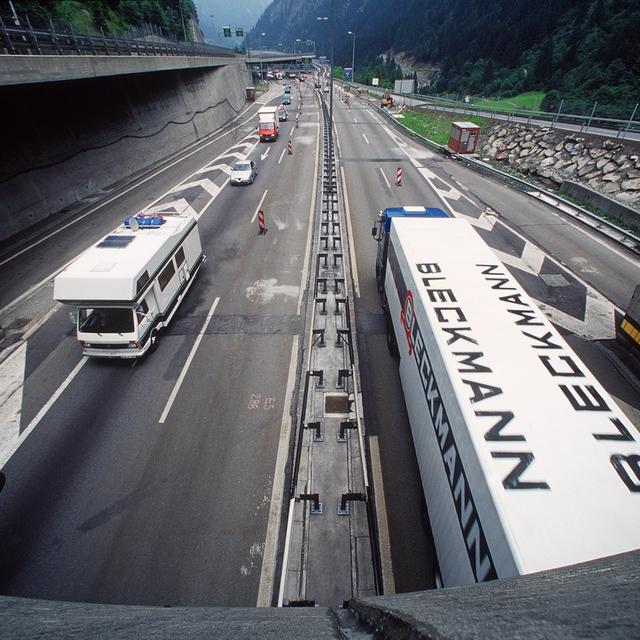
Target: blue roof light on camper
pixel 144 221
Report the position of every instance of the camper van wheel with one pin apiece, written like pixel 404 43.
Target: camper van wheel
pixel 154 340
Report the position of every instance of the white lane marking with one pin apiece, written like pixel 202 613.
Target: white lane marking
pixel 366 139
pixel 285 554
pixel 7 452
pixel 312 204
pixel 11 391
pixel 267 575
pixel 282 155
pixel 384 540
pixel 120 194
pixel 265 154
pixel 384 177
pixel 352 253
pixel 354 119
pixel 264 195
pixel 187 364
pixel 211 199
pixel 205 183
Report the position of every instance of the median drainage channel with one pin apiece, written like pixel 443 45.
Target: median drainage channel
pixel 329 553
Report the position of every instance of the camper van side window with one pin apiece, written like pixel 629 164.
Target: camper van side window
pixel 141 311
pixel 166 275
pixel 142 281
pixel 179 256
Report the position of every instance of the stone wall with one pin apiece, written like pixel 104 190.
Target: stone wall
pixel 551 157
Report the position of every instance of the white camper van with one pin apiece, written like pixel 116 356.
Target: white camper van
pixel 127 287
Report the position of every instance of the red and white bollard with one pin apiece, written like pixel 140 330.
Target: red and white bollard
pixel 297 123
pixel 289 147
pixel 399 177
pixel 261 227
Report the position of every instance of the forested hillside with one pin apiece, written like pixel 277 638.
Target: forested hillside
pixel 113 16
pixel 581 51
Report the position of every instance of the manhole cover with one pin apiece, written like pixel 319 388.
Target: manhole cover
pixel 336 403
pixel 554 280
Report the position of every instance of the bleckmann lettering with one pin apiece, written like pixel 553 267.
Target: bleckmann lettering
pixel 571 379
pixel 494 434
pixel 512 480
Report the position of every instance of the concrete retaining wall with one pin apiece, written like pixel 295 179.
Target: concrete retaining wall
pixel 609 206
pixel 68 140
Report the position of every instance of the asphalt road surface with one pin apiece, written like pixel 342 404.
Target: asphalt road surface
pixel 156 483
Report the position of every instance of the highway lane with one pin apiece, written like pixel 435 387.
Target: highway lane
pixel 541 248
pixel 91 219
pixel 106 503
pixel 368 164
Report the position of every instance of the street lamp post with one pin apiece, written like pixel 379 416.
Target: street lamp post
pixel 322 18
pixel 294 44
pixel 260 44
pixel 353 56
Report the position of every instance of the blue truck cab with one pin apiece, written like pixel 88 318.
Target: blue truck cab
pixel 382 229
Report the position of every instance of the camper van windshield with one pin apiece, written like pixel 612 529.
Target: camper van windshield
pixel 105 320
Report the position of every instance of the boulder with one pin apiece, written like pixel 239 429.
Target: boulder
pixel 569 147
pixel 609 167
pixel 547 162
pixel 524 153
pixel 601 163
pixel 583 161
pixel 628 196
pixel 597 153
pixel 631 185
pixel 549 152
pixel 558 147
pixel 611 177
pixel 611 187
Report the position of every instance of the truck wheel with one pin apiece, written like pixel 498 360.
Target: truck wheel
pixel 392 344
pixel 154 340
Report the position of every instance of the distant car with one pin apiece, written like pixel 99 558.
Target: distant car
pixel 244 172
pixel 287 88
pixel 283 116
pixel 286 99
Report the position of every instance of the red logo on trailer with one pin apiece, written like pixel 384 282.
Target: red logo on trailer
pixel 408 317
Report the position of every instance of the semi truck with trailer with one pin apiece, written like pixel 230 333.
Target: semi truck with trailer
pixel 526 462
pixel 268 127
pixel 127 287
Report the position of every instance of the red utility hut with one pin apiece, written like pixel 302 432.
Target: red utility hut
pixel 464 137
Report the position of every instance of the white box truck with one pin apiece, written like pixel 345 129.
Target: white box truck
pixel 268 127
pixel 526 462
pixel 127 287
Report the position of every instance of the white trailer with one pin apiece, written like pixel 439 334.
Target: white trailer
pixel 526 462
pixel 127 287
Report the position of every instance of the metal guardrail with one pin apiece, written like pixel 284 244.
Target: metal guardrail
pixel 20 40
pixel 623 237
pixel 617 126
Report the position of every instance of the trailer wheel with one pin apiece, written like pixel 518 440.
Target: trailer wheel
pixel 392 344
pixel 154 340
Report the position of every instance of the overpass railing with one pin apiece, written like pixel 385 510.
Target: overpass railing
pixel 25 40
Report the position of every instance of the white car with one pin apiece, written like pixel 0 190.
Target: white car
pixel 244 172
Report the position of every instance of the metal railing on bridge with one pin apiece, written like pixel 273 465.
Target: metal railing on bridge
pixel 25 40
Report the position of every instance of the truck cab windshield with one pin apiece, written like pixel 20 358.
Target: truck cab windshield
pixel 106 320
